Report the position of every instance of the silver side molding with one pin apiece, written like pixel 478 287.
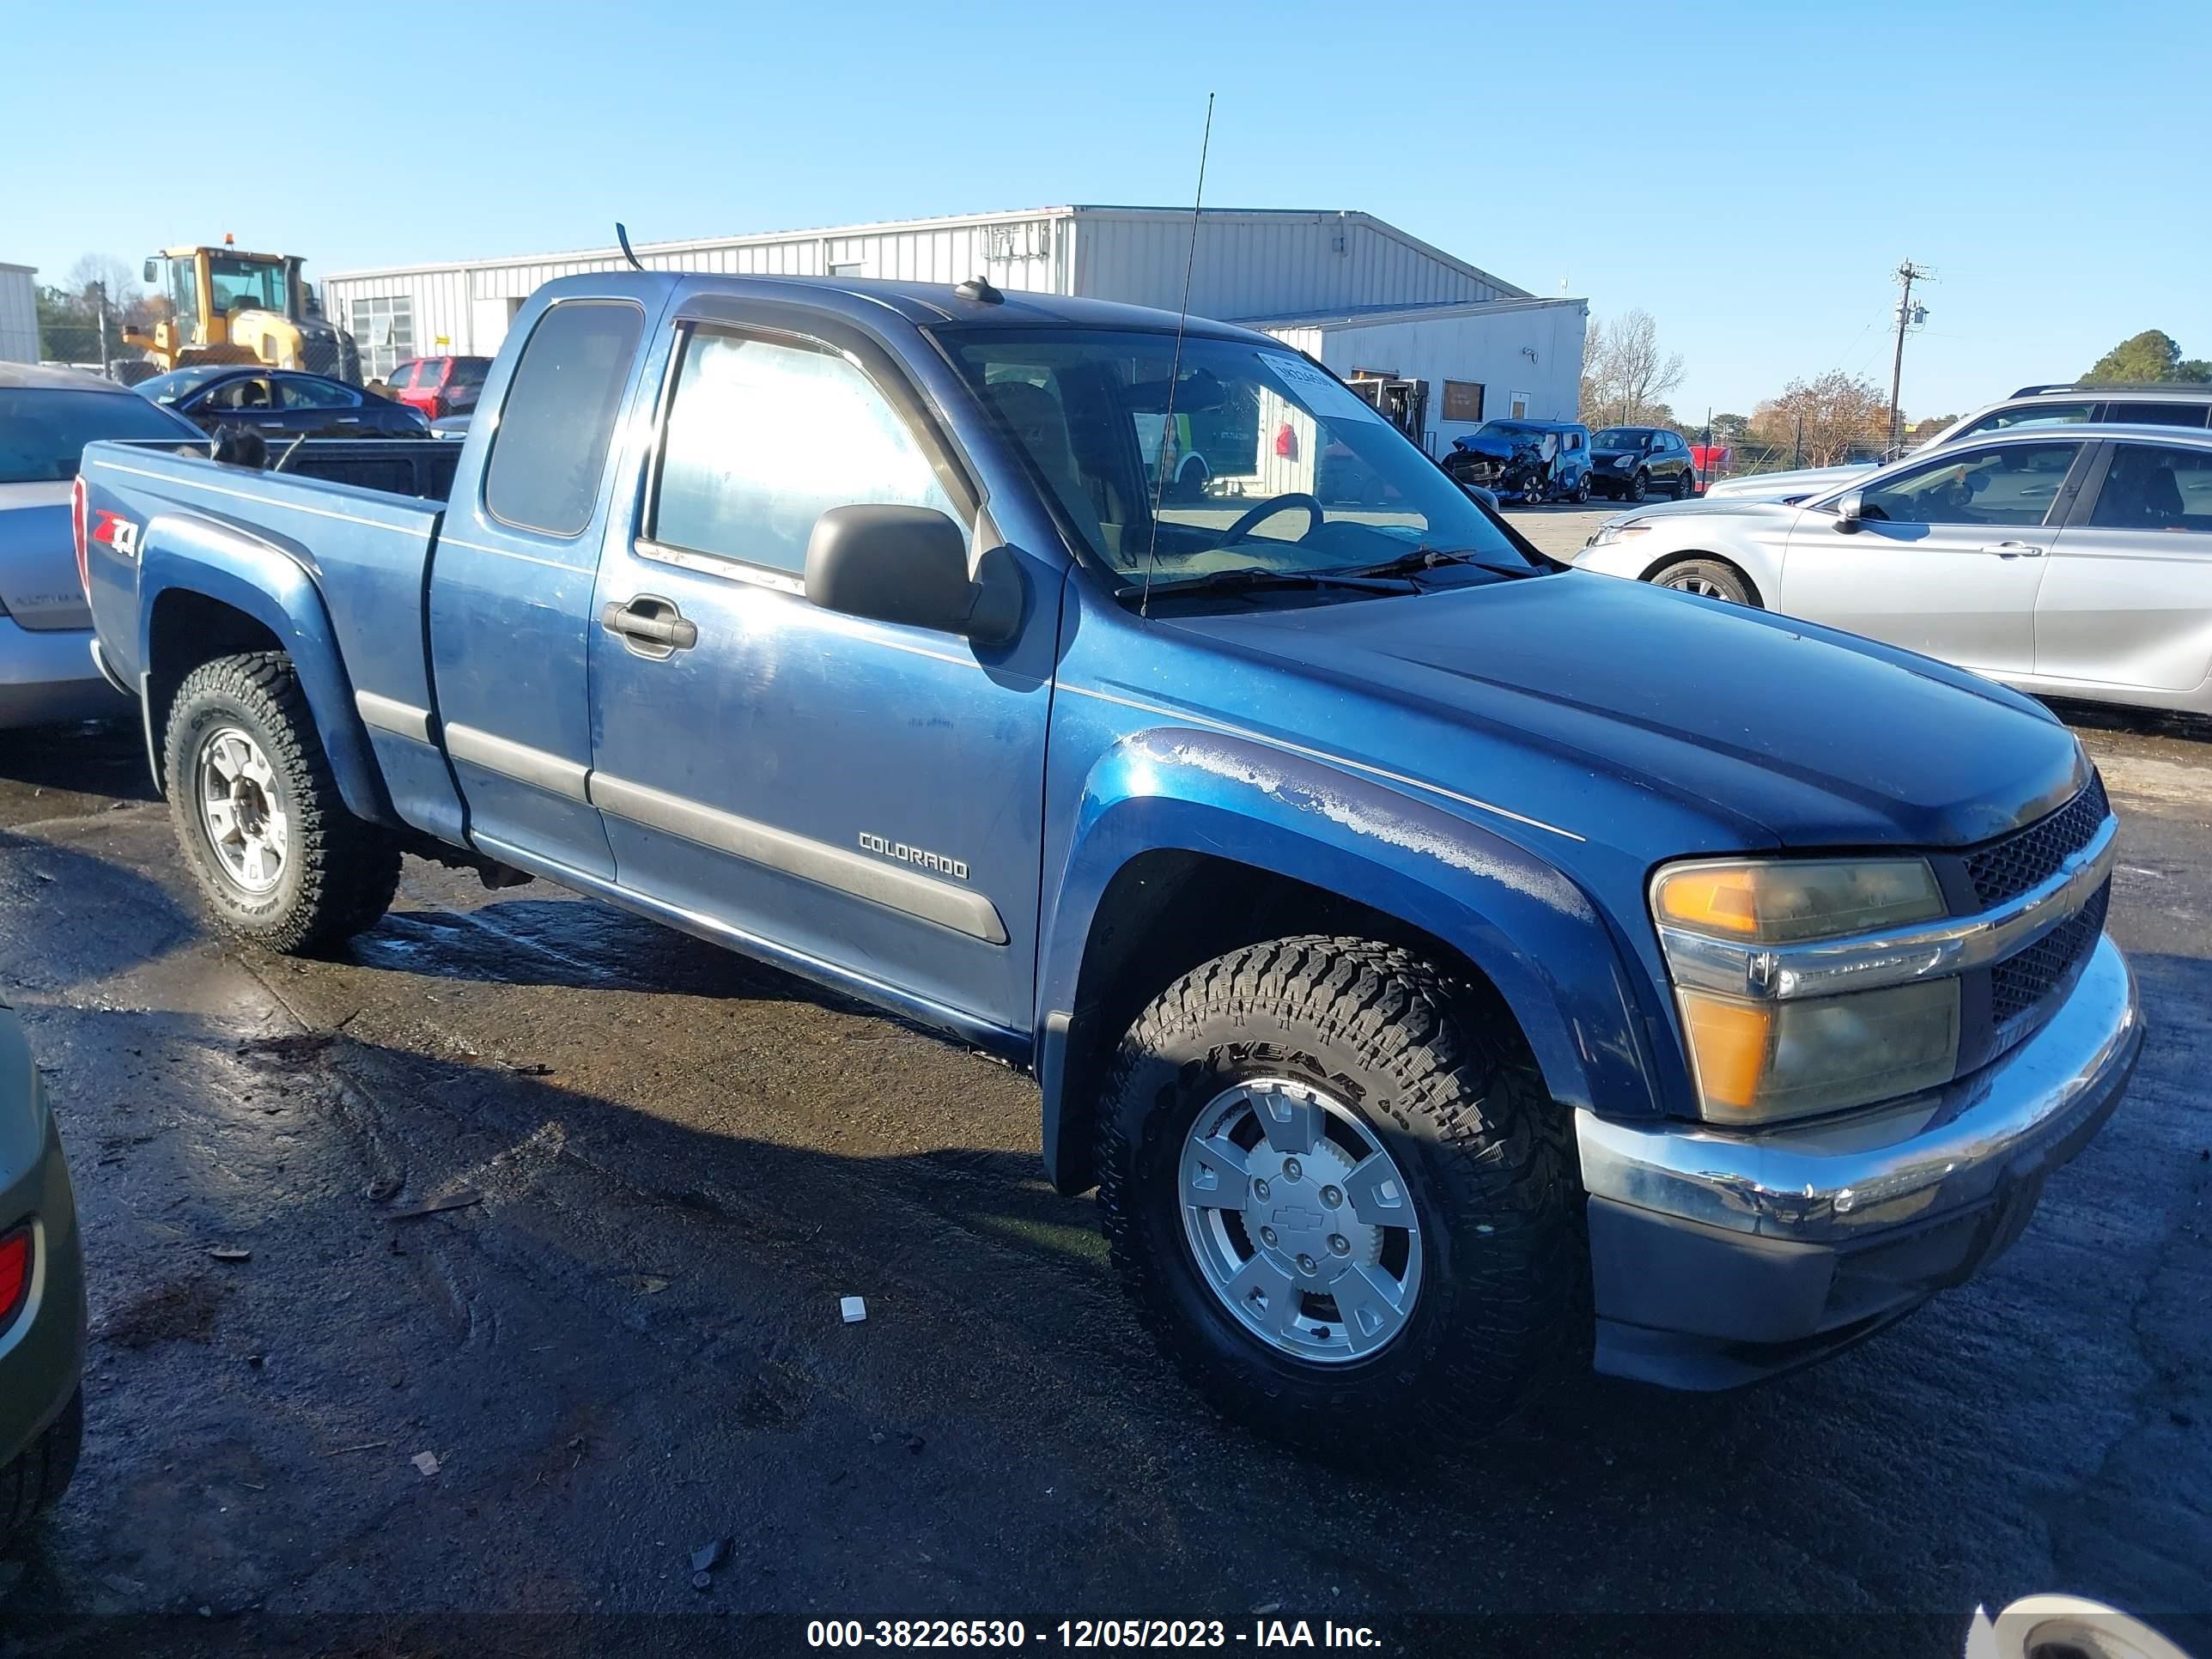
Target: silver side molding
pixel 893 886
pixel 518 761
pixel 390 715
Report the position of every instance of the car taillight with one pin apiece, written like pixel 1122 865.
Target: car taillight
pixel 15 1274
pixel 78 528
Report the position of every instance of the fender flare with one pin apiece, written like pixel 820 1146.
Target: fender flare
pixel 1543 944
pixel 259 577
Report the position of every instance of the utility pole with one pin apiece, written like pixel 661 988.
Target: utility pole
pixel 100 289
pixel 1907 275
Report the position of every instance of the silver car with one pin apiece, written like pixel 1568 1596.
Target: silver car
pixel 2071 562
pixel 47 415
pixel 2171 404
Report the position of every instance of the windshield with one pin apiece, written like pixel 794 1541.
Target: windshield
pixel 1269 462
pixel 180 384
pixel 247 284
pixel 1515 431
pixel 1618 437
pixel 42 432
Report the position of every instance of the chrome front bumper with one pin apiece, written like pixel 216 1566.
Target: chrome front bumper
pixel 1718 1257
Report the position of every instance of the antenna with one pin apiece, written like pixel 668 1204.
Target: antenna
pixel 1174 368
pixel 622 235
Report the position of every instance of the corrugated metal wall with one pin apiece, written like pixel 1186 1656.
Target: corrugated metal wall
pixel 464 309
pixel 1261 264
pixel 1248 265
pixel 19 315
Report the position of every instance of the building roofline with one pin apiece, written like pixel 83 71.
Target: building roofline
pixel 8 265
pixel 1338 317
pixel 891 226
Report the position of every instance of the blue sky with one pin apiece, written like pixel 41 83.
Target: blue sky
pixel 1751 175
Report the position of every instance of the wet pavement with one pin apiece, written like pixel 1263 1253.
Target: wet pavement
pixel 626 1340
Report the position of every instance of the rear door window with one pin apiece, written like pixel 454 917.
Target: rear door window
pixel 316 394
pixel 2150 487
pixel 2164 414
pixel 764 437
pixel 558 421
pixel 403 377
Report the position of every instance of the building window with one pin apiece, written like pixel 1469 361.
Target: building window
pixel 1519 405
pixel 384 328
pixel 848 267
pixel 1463 401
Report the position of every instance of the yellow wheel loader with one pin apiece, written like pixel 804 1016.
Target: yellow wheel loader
pixel 225 305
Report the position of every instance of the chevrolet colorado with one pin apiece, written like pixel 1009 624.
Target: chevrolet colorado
pixel 1451 969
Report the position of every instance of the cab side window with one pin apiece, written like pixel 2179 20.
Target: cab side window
pixel 2166 414
pixel 2014 484
pixel 2148 487
pixel 763 437
pixel 551 455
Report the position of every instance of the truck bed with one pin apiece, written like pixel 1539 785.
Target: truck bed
pixel 357 519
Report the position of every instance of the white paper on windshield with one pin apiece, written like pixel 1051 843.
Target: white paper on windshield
pixel 1321 394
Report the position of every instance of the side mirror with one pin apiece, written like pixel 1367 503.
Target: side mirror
pixel 1850 510
pixel 148 275
pixel 896 564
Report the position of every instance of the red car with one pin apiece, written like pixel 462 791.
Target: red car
pixel 439 387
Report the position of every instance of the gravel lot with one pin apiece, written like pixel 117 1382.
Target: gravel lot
pixel 631 1345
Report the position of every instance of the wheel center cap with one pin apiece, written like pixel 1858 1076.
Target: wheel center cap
pixel 1301 1215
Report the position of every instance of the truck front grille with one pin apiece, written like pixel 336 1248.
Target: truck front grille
pixel 2006 869
pixel 2019 984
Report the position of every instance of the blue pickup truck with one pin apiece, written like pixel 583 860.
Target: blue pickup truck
pixel 1450 969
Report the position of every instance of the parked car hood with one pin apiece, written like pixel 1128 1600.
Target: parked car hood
pixel 38 557
pixel 1820 738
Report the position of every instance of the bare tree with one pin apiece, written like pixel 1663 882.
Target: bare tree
pixel 103 271
pixel 1834 412
pixel 1626 377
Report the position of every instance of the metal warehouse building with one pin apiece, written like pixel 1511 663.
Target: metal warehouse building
pixel 1456 344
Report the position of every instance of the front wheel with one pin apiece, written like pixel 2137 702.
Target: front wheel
pixel 1709 579
pixel 1341 1197
pixel 1637 485
pixel 280 859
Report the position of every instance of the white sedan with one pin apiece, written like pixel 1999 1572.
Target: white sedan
pixel 2073 564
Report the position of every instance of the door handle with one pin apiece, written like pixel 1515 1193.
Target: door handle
pixel 2014 550
pixel 651 626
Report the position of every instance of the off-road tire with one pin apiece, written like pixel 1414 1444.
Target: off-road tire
pixel 1438 1071
pixel 1725 580
pixel 340 872
pixel 36 1480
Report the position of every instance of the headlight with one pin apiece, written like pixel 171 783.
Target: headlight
pixel 1609 533
pixel 1779 902
pixel 1761 1059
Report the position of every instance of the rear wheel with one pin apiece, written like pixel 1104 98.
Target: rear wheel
pixel 1710 579
pixel 1686 484
pixel 1338 1194
pixel 280 859
pixel 1581 489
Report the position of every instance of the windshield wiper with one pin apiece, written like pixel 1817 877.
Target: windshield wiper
pixel 1249 578
pixel 1428 558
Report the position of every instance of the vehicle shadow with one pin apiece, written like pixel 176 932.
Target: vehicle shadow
pixel 99 758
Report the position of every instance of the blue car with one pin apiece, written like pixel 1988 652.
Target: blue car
pixel 1523 460
pixel 1450 967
